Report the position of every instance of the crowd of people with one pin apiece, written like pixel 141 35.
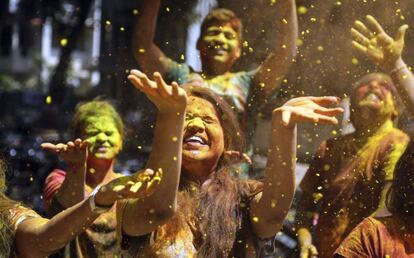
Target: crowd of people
pixel 193 197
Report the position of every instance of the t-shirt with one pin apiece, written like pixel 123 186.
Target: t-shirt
pixel 385 237
pixel 237 89
pixel 183 243
pixel 99 239
pixel 17 215
pixel 346 179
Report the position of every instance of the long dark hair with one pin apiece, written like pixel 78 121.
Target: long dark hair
pixel 400 199
pixel 215 207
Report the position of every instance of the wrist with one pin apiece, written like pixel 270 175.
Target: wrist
pixel 97 204
pixel 393 66
pixel 277 122
pixel 76 165
pixel 172 112
pixel 171 115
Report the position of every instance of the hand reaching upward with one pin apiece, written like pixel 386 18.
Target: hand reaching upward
pixel 167 98
pixel 371 40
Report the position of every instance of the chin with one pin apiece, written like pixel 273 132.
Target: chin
pixel 193 155
pixel 103 156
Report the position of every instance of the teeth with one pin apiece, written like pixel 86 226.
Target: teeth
pixel 196 139
pixel 372 97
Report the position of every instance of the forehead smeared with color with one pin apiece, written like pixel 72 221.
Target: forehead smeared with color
pixel 373 76
pixel 95 110
pixel 380 77
pixel 222 17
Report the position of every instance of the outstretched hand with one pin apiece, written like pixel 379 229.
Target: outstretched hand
pixel 74 153
pixel 167 98
pixel 371 40
pixel 308 109
pixel 137 186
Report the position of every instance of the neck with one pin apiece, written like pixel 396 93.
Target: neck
pixel 197 175
pixel 99 171
pixel 366 129
pixel 216 69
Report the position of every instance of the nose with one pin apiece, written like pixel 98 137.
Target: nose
pixel 220 38
pixel 101 137
pixel 196 125
pixel 374 84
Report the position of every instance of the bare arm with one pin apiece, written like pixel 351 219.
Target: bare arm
pixel 39 237
pixel 143 216
pixel 269 212
pixel 74 154
pixel 276 66
pixel 147 54
pixel 371 40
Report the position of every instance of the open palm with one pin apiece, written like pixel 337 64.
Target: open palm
pixel 371 40
pixel 309 109
pixel 167 98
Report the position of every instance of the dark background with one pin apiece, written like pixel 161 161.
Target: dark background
pixel 38 92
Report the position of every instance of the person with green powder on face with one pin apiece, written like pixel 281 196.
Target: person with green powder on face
pixel 220 47
pixel 24 233
pixel 98 123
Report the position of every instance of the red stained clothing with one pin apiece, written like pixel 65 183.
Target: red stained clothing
pixel 385 237
pixel 345 181
pixel 53 182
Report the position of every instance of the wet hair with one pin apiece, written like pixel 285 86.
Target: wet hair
pixel 379 77
pixel 221 16
pixel 101 108
pixel 400 199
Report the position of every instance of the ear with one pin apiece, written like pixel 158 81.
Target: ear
pixel 239 50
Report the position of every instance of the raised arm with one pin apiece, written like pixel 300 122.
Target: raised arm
pixel 372 41
pixel 74 153
pixel 143 216
pixel 276 66
pixel 270 210
pixel 39 237
pixel 147 54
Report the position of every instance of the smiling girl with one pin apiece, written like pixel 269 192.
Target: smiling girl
pixel 216 214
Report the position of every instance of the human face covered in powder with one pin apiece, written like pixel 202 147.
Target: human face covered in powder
pixel 373 99
pixel 103 136
pixel 203 143
pixel 219 44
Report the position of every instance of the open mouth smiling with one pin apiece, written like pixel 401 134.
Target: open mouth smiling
pixel 372 97
pixel 195 141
